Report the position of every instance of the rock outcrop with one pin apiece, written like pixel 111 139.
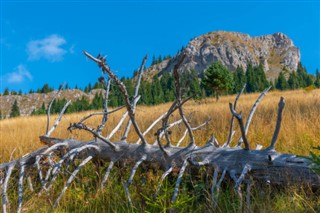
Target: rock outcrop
pixel 28 102
pixel 236 49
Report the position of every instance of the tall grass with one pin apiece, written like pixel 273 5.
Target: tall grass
pixel 299 132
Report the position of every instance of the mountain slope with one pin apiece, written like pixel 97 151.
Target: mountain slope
pixel 236 49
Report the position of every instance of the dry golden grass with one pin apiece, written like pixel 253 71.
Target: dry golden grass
pixel 299 131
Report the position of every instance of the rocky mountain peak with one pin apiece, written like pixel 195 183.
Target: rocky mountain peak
pixel 235 49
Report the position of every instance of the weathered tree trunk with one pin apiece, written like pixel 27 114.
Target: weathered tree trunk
pixel 242 165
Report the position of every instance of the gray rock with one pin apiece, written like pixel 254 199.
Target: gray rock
pixel 236 49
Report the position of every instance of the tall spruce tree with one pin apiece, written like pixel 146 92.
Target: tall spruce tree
pixel 251 84
pixel 281 83
pixel 15 111
pixel 293 81
pixel 168 86
pixel 239 79
pixel 156 91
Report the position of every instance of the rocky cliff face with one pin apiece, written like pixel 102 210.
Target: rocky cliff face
pixel 236 49
pixel 27 103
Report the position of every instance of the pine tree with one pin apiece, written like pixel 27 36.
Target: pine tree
pixel 156 91
pixel 15 111
pixel 293 81
pixel 191 83
pixel 218 79
pixel 168 86
pixel 46 89
pixel 6 91
pixel 239 79
pixel 250 79
pixel 145 92
pixel 281 83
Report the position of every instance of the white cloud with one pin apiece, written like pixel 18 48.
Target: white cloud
pixel 19 75
pixel 48 48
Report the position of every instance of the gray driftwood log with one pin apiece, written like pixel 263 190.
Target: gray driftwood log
pixel 242 165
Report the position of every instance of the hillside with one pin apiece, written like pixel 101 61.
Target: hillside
pixel 236 49
pixel 28 102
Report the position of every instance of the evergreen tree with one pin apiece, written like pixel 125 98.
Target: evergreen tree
pixel 304 78
pixel 145 92
pixel 218 79
pixel 281 83
pixel 260 78
pixel 20 92
pixel 46 89
pixel 251 84
pixel 156 91
pixel 239 79
pixel 1 116
pixel 293 81
pixel 154 61
pixel 191 84
pixel 97 102
pixel 167 86
pixel 66 87
pixel 41 111
pixel 6 91
pixel 15 111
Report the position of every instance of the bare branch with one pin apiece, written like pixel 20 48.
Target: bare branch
pixel 105 68
pixel 5 186
pixel 85 161
pixel 217 186
pixel 193 129
pixel 162 131
pixel 58 119
pixel 97 135
pixel 231 132
pixel 100 113
pixel 105 105
pixel 164 175
pixel 253 109
pixel 133 172
pixel 214 183
pixel 151 126
pixel 124 116
pixel 136 94
pixel 176 189
pixel 239 118
pixel 281 106
pixel 20 187
pixel 105 178
pixel 49 107
pixel 178 99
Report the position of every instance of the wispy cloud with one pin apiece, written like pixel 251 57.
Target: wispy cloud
pixel 49 48
pixel 19 75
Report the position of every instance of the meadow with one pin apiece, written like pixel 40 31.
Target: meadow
pixel 299 133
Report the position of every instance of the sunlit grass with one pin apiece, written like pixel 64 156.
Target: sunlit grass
pixel 299 132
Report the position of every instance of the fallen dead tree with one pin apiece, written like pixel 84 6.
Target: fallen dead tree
pixel 241 163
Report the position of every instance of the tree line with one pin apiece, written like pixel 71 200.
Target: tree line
pixel 215 81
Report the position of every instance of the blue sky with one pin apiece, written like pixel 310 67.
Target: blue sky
pixel 42 41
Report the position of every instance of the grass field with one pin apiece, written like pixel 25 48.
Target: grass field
pixel 299 133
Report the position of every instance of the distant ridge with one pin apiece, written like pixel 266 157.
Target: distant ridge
pixel 234 49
